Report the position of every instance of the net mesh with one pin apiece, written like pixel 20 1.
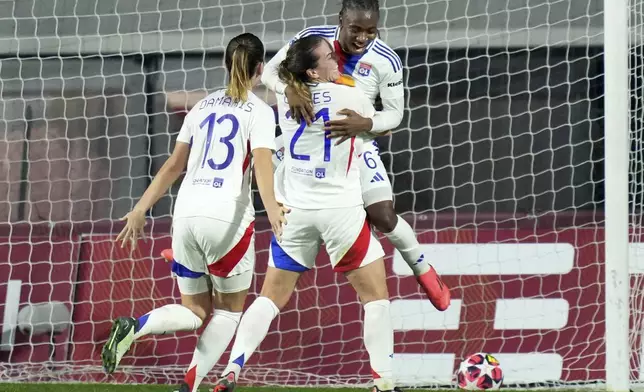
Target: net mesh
pixel 498 164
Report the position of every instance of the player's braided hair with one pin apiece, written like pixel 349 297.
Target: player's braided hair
pixel 243 54
pixel 360 5
pixel 299 59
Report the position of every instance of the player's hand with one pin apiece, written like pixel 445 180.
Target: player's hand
pixel 134 224
pixel 300 107
pixel 277 217
pixel 350 126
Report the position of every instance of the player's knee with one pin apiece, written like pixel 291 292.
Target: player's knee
pixel 369 282
pixel 383 216
pixel 230 302
pixel 199 304
pixel 279 285
pixel 199 311
pixel 280 295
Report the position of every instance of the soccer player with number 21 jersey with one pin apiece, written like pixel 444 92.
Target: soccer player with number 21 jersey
pixel 368 63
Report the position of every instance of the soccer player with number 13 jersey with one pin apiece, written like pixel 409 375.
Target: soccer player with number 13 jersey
pixel 213 221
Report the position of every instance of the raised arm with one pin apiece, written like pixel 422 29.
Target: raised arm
pixel 269 77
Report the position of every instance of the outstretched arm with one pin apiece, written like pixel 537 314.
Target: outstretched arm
pixel 269 77
pixel 169 173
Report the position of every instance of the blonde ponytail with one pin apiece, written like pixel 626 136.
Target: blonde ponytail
pixel 239 81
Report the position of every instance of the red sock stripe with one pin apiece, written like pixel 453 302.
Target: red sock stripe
pixel 190 377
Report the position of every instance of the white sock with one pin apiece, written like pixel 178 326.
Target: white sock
pixel 379 341
pixel 211 345
pixel 253 328
pixel 403 238
pixel 168 318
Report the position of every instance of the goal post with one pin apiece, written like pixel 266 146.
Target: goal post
pixel 617 42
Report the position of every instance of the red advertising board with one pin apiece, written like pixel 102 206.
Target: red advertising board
pixel 42 269
pixel 319 332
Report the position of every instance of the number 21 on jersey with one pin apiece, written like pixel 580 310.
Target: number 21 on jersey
pixel 322 113
pixel 209 123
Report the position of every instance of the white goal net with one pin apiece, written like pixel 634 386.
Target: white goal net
pixel 498 164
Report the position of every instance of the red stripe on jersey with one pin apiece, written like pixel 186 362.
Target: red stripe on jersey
pixel 358 251
pixel 247 159
pixel 374 374
pixel 223 266
pixel 353 142
pixel 340 56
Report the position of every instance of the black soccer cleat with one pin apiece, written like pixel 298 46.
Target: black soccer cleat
pixel 118 343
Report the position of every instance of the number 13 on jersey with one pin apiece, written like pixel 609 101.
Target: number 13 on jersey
pixel 209 123
pixel 322 113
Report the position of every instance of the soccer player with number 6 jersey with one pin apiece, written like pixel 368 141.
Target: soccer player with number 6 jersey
pixel 370 64
pixel 213 221
pixel 320 184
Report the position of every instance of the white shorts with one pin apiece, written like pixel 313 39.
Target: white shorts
pixel 212 254
pixel 345 232
pixel 373 175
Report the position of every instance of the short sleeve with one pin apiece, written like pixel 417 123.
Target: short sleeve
pixel 187 130
pixel 262 132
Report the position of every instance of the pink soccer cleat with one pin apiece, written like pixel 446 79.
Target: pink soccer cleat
pixel 168 255
pixel 437 291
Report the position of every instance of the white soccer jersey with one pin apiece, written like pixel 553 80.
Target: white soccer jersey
pixel 377 71
pixel 315 173
pixel 222 133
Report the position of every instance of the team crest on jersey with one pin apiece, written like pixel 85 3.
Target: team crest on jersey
pixel 217 182
pixel 364 69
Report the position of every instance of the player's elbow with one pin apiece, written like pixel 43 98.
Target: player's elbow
pixel 263 158
pixel 179 159
pixel 267 77
pixel 397 120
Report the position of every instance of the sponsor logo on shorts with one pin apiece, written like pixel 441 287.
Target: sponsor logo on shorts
pixel 377 178
pixel 394 84
pixel 320 172
pixel 217 182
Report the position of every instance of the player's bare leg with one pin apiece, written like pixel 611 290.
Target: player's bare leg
pixel 188 316
pixel 253 327
pixel 215 338
pixel 369 283
pixel 383 216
